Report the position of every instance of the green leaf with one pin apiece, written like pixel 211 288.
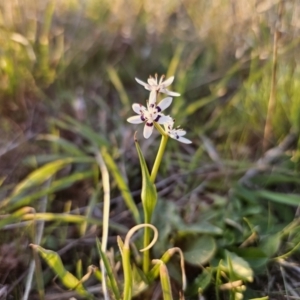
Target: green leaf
pixel 35 161
pixel 236 265
pixel 256 257
pixel 16 216
pixel 200 283
pixel 22 199
pixel 165 226
pixel 199 250
pixel 149 194
pixel 40 175
pixel 53 260
pixel 110 274
pixel 290 199
pixel 195 105
pixel 246 194
pixel 271 179
pixel 270 244
pixel 67 146
pixel 123 187
pixel 83 130
pixel 200 228
pixel 120 244
pixel 165 282
pixel 139 281
pixel 115 79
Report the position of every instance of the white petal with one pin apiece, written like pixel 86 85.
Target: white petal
pixel 168 81
pixel 180 132
pixel 135 120
pixel 170 93
pixel 152 81
pixel 152 97
pixel 180 138
pixel 148 131
pixel 141 82
pixel 164 103
pixel 161 79
pixel 138 107
pixel 184 140
pixel 168 124
pixel 164 119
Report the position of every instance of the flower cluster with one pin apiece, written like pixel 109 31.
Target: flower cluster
pixel 153 112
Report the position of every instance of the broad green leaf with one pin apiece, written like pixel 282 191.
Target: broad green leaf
pixel 199 250
pixel 149 194
pixel 200 228
pixel 53 260
pixel 123 187
pixel 255 256
pixel 253 210
pixel 271 179
pixel 200 283
pixel 165 226
pixel 238 266
pixel 246 194
pixel 254 196
pixel 289 199
pixel 270 244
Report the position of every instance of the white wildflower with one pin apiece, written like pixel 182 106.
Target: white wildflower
pixel 176 133
pixel 155 86
pixel 150 115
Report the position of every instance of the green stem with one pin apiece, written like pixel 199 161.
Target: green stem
pixel 127 274
pixel 165 282
pixel 146 254
pixel 148 217
pixel 160 153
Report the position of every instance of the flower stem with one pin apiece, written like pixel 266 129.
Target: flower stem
pixel 160 153
pixel 148 217
pixel 146 254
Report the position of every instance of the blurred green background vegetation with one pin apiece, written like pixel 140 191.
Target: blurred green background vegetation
pixel 220 52
pixel 79 58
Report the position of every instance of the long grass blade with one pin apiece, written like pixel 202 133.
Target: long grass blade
pixel 109 272
pixel 123 187
pixel 106 208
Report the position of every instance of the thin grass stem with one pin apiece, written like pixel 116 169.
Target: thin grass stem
pixel 37 240
pixel 272 98
pixel 106 208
